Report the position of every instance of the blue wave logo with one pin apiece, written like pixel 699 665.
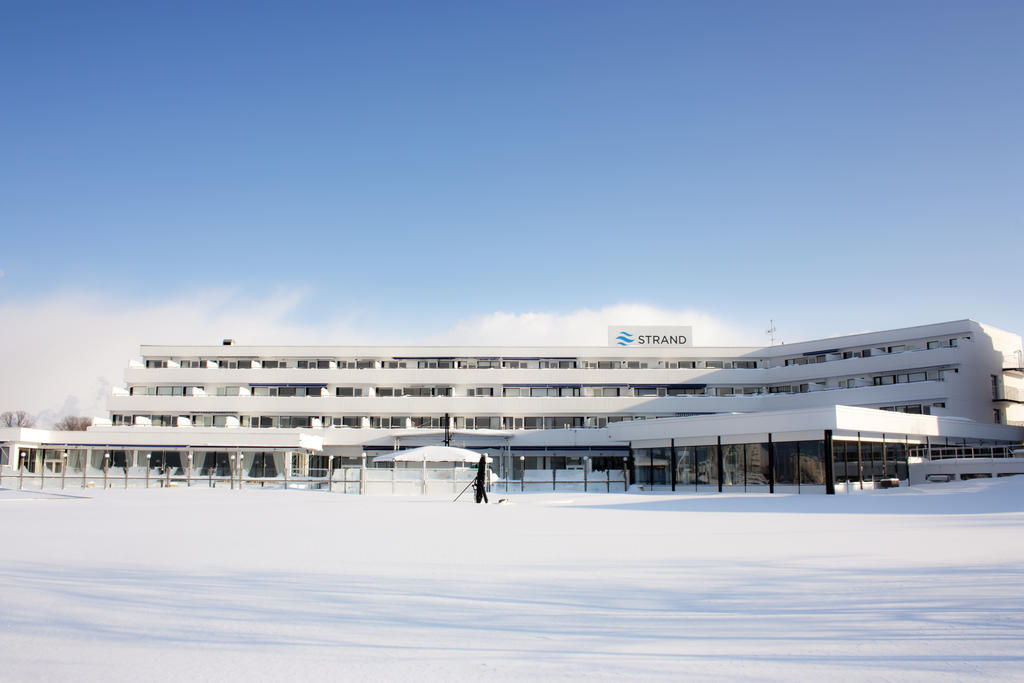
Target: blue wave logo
pixel 625 338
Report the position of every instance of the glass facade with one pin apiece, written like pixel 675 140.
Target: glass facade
pixel 706 461
pixel 685 467
pixel 870 460
pixel 214 464
pixel 263 464
pixel 796 464
pixel 758 467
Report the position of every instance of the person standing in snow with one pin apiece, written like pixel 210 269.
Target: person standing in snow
pixel 480 483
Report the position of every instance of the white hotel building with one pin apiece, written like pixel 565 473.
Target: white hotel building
pixel 679 414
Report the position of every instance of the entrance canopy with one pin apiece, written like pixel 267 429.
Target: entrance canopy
pixel 432 454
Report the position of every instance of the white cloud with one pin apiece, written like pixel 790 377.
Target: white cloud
pixel 60 355
pixel 588 327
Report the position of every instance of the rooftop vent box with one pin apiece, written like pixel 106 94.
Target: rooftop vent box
pixel 228 342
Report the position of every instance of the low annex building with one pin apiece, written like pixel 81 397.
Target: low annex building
pixel 651 404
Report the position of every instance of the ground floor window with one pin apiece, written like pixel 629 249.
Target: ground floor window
pixel 263 464
pixel 750 464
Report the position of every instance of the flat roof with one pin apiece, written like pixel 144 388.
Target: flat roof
pixel 842 420
pixel 409 352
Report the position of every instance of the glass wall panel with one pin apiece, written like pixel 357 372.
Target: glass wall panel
pixel 732 465
pixel 786 462
pixel 844 468
pixel 262 465
pixel 158 460
pixel 757 465
pixel 96 458
pixel 853 464
pixel 685 465
pixel 871 452
pixel 707 464
pixel 662 463
pixel 76 460
pixel 214 463
pixel 652 466
pixel 896 460
pixel 318 465
pixel 812 462
pixel 119 459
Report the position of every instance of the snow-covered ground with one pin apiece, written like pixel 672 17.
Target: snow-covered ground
pixel 924 583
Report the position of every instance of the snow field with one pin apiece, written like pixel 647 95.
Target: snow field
pixel 162 584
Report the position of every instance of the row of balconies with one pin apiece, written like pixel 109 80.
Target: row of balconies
pixel 573 391
pixel 668 405
pixel 934 358
pixel 234 361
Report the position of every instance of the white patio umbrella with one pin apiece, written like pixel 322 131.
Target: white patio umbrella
pixel 427 454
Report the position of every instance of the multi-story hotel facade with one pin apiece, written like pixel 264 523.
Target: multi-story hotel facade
pixel 540 408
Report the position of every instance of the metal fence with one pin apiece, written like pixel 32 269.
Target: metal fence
pixel 947 452
pixel 55 475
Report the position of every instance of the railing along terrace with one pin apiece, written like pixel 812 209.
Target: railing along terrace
pixel 349 479
pixel 949 452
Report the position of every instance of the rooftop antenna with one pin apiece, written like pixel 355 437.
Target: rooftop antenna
pixel 771 331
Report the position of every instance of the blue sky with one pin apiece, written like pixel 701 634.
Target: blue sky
pixel 836 166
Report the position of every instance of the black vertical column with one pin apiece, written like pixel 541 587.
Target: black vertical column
pixel 771 465
pixel 672 460
pixel 906 457
pixel 885 460
pixel 744 469
pixel 830 481
pixel 721 464
pixel 860 463
pixel 651 477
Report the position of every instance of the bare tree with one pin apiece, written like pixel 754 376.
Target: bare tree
pixel 73 423
pixel 16 418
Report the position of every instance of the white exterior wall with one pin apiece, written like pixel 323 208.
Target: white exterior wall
pixel 965 386
pixel 962 381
